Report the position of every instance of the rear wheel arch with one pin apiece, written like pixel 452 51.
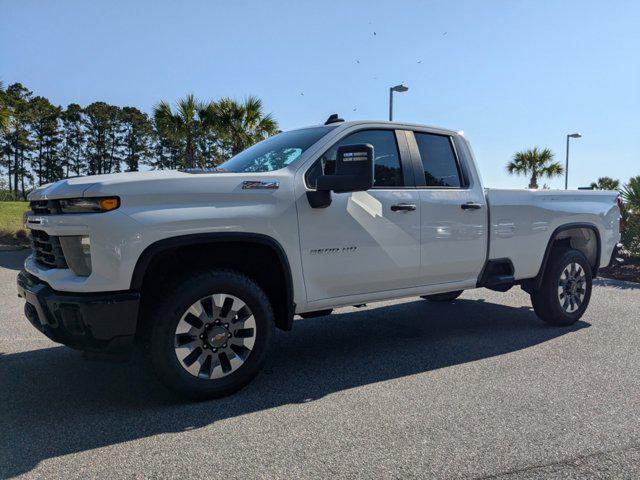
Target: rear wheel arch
pixel 583 237
pixel 258 256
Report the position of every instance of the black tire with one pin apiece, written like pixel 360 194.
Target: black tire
pixel 169 312
pixel 546 299
pixel 443 297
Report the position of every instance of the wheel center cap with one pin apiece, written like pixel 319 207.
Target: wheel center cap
pixel 217 336
pixel 573 286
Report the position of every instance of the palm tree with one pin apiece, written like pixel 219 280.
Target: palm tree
pixel 631 193
pixel 536 163
pixel 240 124
pixel 185 125
pixel 606 183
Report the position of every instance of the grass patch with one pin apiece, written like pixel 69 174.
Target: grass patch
pixel 11 224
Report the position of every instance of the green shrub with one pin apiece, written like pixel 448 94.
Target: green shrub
pixel 7 196
pixel 631 234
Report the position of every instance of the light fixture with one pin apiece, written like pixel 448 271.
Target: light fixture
pixel 398 88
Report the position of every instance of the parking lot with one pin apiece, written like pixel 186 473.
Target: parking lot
pixel 474 389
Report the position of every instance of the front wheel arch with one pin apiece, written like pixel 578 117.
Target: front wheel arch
pixel 241 251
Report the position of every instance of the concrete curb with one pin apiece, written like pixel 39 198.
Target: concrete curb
pixel 614 282
pixel 12 248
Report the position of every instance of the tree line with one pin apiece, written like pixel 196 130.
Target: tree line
pixel 41 142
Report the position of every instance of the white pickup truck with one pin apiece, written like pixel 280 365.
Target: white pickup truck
pixel 200 266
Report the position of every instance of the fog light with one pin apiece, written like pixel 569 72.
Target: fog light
pixel 77 253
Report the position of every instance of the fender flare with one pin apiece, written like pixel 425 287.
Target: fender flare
pixel 148 254
pixel 537 280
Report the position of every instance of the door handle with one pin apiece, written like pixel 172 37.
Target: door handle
pixel 403 207
pixel 470 206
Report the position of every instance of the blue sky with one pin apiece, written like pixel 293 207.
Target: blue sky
pixel 511 74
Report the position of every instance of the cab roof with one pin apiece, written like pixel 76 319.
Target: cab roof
pixel 385 123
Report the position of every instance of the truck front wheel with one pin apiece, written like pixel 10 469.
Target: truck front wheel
pixel 564 293
pixel 210 334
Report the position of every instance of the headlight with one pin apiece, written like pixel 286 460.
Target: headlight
pixel 89 205
pixel 77 253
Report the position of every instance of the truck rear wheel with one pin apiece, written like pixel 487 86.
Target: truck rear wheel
pixel 443 297
pixel 565 291
pixel 210 336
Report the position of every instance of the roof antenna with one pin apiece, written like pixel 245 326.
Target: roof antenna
pixel 334 118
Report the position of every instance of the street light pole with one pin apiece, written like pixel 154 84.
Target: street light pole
pixel 398 88
pixel 566 163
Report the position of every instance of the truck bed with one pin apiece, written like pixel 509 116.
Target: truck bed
pixel 522 222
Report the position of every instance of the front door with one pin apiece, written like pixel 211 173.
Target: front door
pixel 364 242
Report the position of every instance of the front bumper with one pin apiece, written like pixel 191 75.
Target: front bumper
pixel 86 321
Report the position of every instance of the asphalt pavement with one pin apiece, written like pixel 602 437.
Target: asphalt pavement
pixel 479 388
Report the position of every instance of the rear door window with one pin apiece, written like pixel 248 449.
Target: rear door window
pixel 438 160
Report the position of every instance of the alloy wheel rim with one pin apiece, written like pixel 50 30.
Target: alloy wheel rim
pixel 215 336
pixel 572 287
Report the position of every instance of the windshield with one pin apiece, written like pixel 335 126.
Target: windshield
pixel 275 152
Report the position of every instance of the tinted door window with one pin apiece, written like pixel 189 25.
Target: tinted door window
pixel 386 159
pixel 438 160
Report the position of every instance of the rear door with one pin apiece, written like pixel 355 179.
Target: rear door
pixel 364 242
pixel 453 210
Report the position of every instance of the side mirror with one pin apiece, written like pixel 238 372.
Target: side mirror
pixel 354 173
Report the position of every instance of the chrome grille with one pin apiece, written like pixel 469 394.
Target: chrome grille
pixel 47 250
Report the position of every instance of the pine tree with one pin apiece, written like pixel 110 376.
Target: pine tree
pixel 17 140
pixel 74 140
pixel 43 121
pixel 98 123
pixel 137 137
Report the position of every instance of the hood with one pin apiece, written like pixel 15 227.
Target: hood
pixel 77 186
pixel 169 185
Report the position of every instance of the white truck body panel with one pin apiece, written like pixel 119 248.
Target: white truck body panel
pixel 522 223
pixel 165 206
pixel 376 250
